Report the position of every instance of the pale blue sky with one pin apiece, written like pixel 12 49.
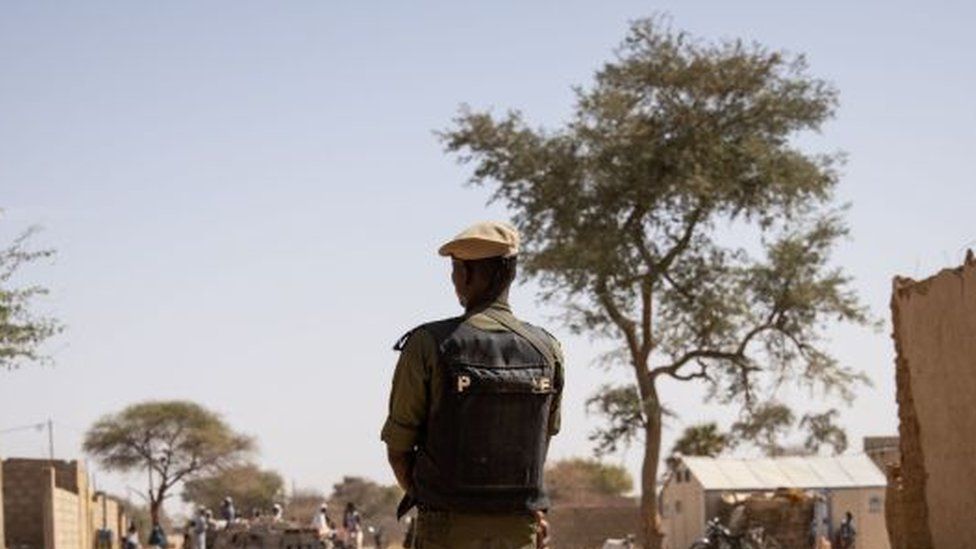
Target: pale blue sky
pixel 246 196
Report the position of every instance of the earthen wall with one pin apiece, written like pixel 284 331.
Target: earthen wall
pixel 935 342
pixel 587 527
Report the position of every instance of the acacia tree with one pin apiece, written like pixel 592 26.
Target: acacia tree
pixel 580 480
pixel 823 431
pixel 628 213
pixel 22 330
pixel 248 485
pixel 766 426
pixel 173 441
pixel 704 439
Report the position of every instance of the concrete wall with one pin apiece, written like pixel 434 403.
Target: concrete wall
pixel 61 521
pixel 50 505
pixel 935 343
pixel 107 513
pixel 683 510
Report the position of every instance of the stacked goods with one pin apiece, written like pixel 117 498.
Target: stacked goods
pixel 784 515
pixel 266 535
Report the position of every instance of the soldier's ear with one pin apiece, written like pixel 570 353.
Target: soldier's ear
pixel 462 272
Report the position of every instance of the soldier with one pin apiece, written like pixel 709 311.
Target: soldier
pixel 474 402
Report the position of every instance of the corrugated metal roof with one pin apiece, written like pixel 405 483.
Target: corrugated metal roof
pixel 856 471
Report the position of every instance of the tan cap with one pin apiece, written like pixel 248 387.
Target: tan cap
pixel 483 240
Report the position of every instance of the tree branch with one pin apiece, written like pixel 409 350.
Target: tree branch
pixel 647 309
pixel 702 373
pixel 681 244
pixel 625 324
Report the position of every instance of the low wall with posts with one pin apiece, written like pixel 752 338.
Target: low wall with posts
pixel 108 514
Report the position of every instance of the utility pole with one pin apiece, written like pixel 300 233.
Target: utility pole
pixel 50 439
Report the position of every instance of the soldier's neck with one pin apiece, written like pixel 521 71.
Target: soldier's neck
pixel 482 303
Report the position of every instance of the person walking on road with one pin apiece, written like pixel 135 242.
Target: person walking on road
pixel 321 521
pixel 200 525
pixel 352 523
pixel 227 511
pixel 474 403
pixel 131 537
pixel 157 537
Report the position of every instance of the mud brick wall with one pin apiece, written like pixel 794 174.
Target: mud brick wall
pixel 932 501
pixel 588 527
pixel 23 503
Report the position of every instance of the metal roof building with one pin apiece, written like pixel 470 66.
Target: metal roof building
pixel 694 492
pixel 751 475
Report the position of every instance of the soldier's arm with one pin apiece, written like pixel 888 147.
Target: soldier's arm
pixel 409 403
pixel 555 412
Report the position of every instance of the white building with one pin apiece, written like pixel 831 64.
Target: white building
pixel 693 494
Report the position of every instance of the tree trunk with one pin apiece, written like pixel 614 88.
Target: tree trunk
pixel 154 509
pixel 651 520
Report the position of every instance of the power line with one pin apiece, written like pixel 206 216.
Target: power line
pixel 49 424
pixel 35 426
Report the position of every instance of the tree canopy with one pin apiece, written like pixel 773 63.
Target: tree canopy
pixel 249 486
pixel 675 213
pixel 22 328
pixel 704 439
pixel 766 427
pixel 579 480
pixel 173 441
pixel 370 498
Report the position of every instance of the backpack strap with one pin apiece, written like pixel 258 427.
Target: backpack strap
pixel 514 325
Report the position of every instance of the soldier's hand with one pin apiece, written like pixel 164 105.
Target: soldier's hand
pixel 541 531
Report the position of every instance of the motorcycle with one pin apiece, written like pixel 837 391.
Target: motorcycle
pixel 718 536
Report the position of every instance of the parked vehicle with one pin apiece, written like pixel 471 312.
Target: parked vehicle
pixel 718 536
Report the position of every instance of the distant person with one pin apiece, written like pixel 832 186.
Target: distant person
pixel 846 534
pixel 188 534
pixel 377 537
pixel 820 525
pixel 277 513
pixel 227 511
pixel 157 537
pixel 475 484
pixel 409 534
pixel 200 525
pixel 132 537
pixel 321 521
pixel 352 523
